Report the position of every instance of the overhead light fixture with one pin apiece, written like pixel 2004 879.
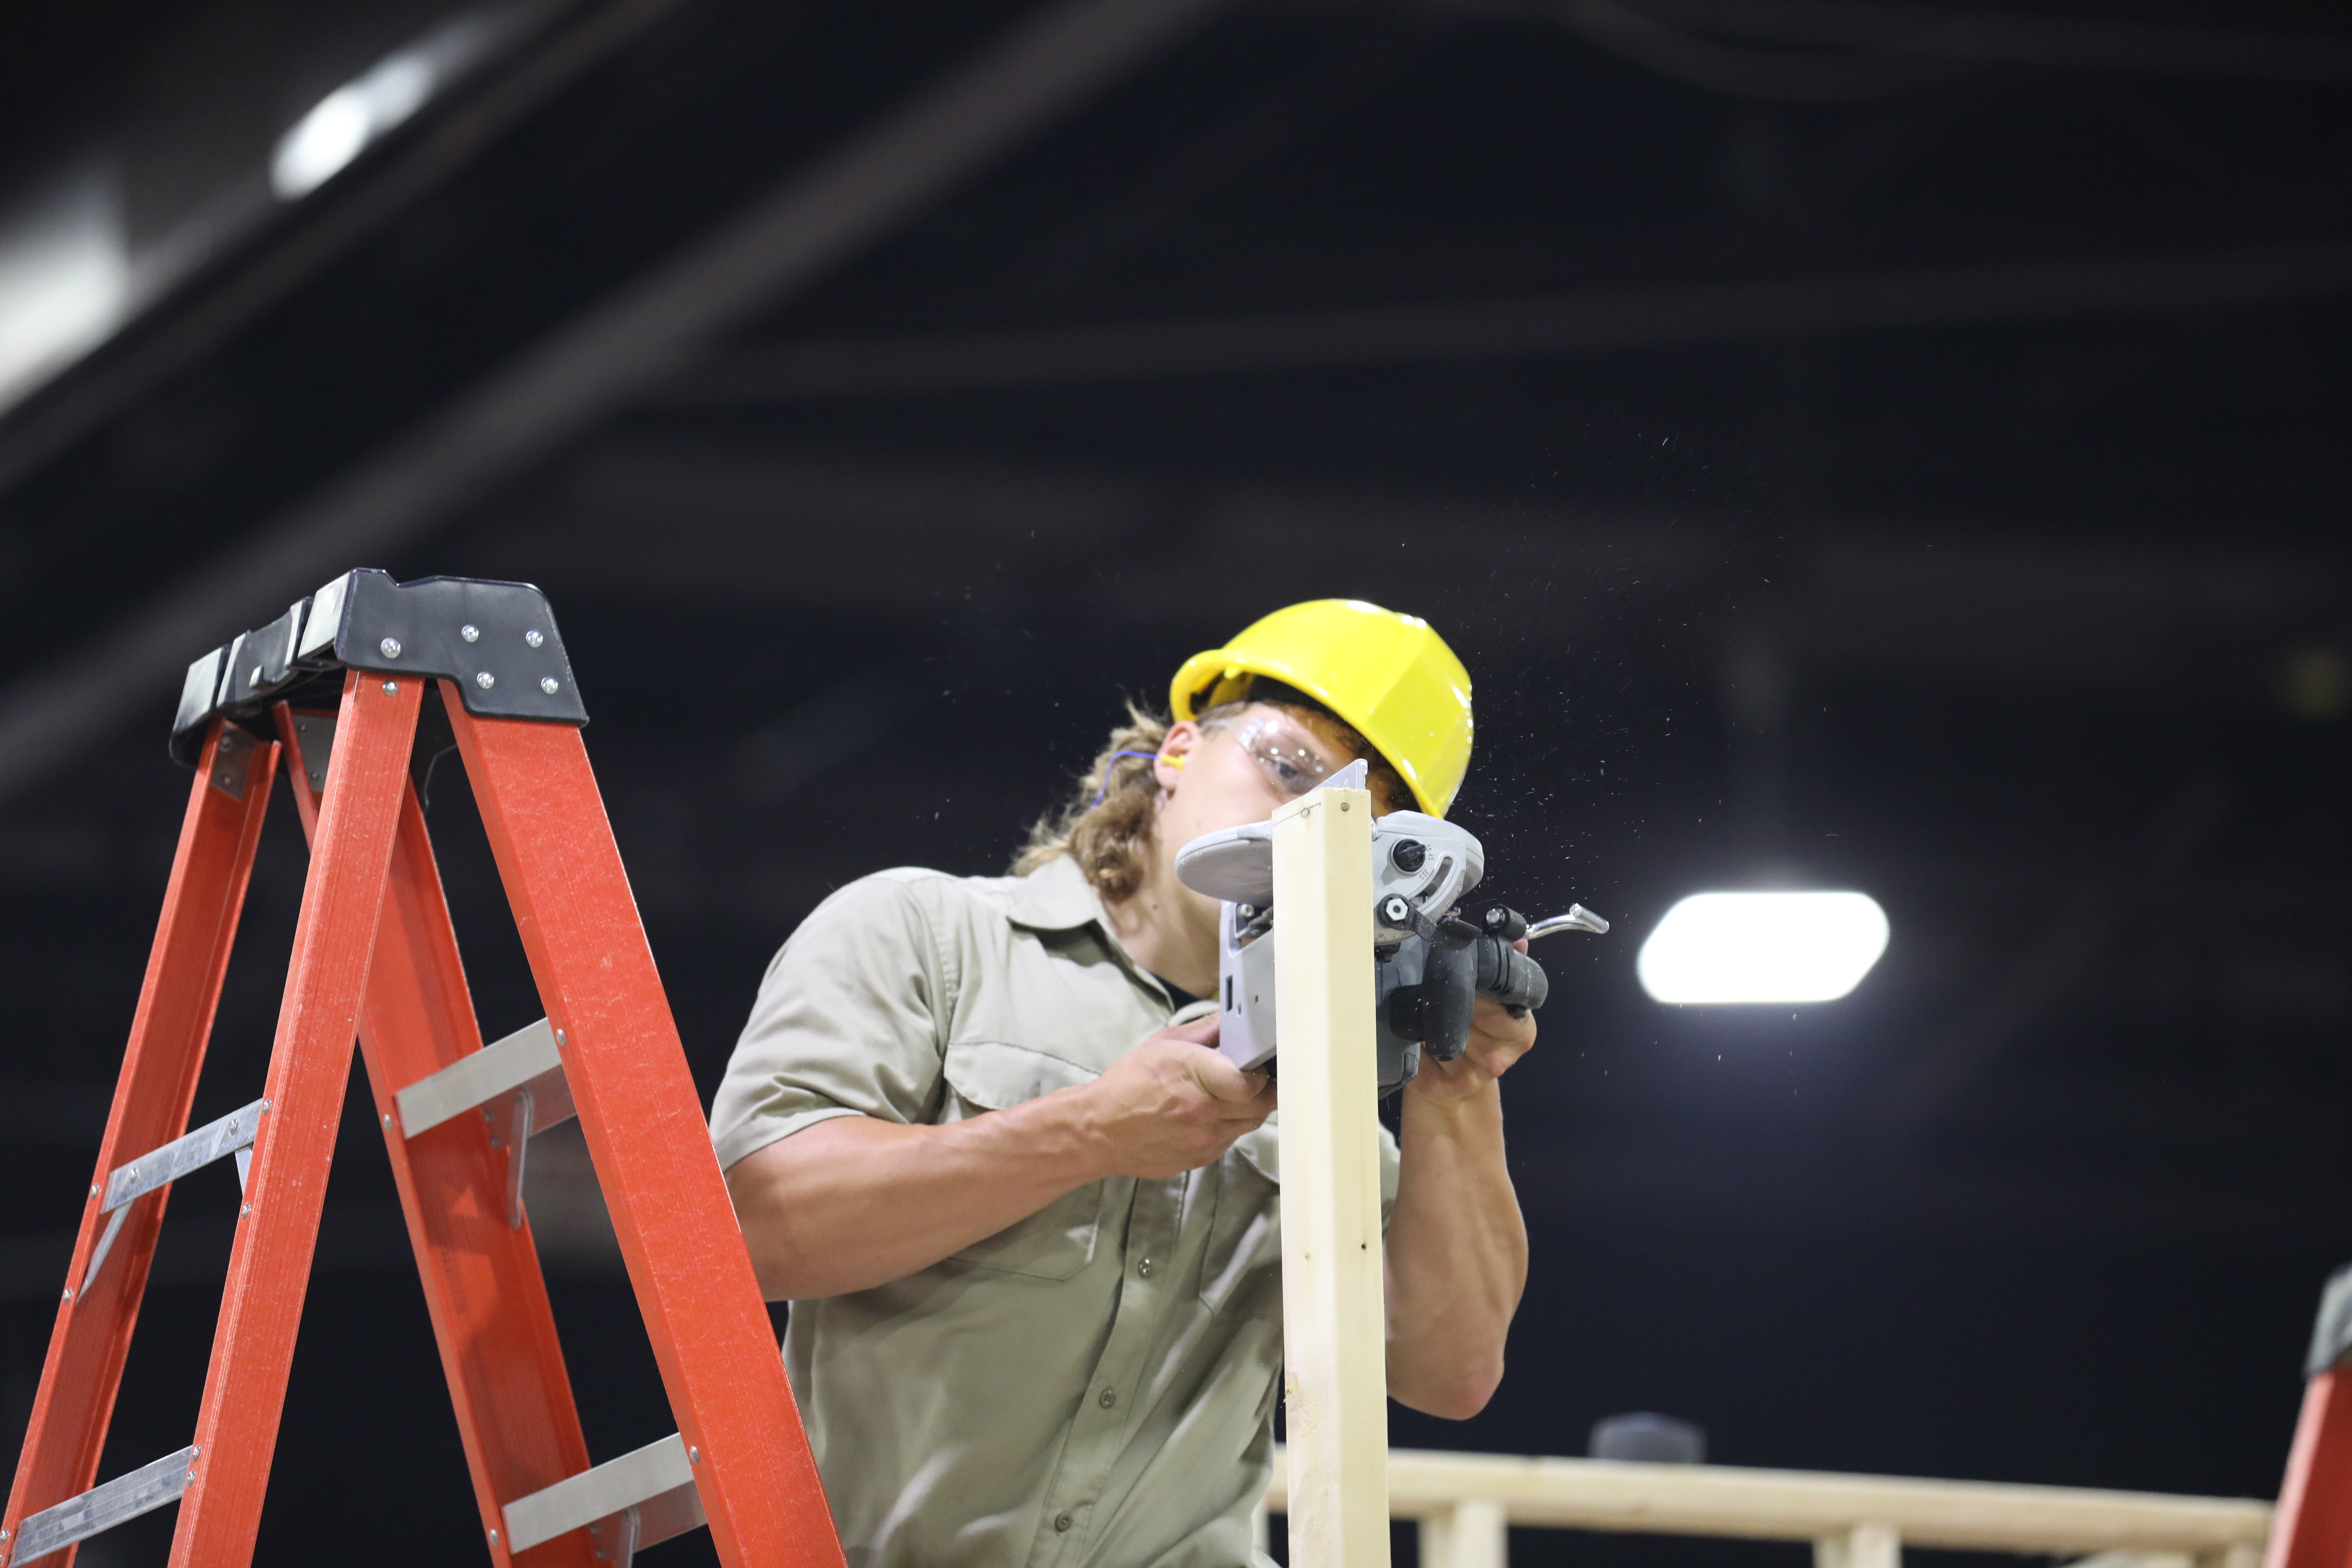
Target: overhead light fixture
pixel 66 278
pixel 342 126
pixel 1763 947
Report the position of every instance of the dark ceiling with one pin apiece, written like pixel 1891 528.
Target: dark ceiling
pixel 1851 444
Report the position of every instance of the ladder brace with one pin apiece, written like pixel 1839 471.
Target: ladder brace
pixel 631 1502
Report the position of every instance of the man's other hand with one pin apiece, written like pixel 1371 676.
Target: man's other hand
pixel 1496 1041
pixel 1173 1104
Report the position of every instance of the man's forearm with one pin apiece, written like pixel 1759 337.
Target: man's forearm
pixel 855 1202
pixel 1457 1254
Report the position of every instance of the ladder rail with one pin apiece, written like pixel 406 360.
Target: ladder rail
pixel 310 1065
pixel 702 1308
pixel 205 898
pixel 484 1289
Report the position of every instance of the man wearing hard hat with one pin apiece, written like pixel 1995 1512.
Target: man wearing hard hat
pixel 977 1134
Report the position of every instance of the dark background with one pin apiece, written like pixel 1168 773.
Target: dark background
pixel 1851 443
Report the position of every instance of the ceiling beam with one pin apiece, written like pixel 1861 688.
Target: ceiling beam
pixel 782 243
pixel 1672 315
pixel 1679 37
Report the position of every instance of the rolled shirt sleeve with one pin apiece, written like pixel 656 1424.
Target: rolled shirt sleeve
pixel 847 1023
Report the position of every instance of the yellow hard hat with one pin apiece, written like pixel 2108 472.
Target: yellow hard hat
pixel 1389 675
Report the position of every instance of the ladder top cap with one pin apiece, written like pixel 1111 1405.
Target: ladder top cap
pixel 497 641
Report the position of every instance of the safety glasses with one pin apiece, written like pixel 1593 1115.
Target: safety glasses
pixel 1292 757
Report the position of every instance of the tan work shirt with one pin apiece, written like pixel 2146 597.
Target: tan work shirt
pixel 1093 1386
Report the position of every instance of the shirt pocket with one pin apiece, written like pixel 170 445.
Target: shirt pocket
pixel 1059 1239
pixel 1240 1264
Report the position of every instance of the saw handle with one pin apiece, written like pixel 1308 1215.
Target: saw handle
pixel 1510 976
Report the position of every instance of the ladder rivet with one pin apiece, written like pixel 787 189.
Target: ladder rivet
pixel 387 1119
pixel 485 679
pixel 471 634
pixel 391 688
pixel 391 646
pixel 494 1538
pixel 93 1189
pixel 69 1292
pixel 533 638
pixel 244 1208
pixel 547 684
pixel 694 1456
pixel 559 1037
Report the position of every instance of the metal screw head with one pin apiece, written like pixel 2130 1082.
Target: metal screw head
pixel 533 638
pixel 471 634
pixel 391 646
pixel 391 688
pixel 485 679
pixel 547 684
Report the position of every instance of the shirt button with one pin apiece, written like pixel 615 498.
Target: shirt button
pixel 1061 1522
pixel 1144 1269
pixel 1110 1398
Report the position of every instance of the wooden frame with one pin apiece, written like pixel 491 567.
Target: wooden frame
pixel 1466 1501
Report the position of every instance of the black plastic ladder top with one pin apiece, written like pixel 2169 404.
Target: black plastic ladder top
pixel 497 640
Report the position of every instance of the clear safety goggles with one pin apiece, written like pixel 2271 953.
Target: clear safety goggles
pixel 1293 758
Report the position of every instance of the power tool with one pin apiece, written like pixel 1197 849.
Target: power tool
pixel 1430 965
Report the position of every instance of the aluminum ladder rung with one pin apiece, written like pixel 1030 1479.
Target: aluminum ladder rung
pixel 191 1152
pixel 656 1482
pixel 232 1135
pixel 101 1507
pixel 526 1060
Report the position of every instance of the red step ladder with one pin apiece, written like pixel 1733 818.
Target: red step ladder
pixel 363 684
pixel 2313 1526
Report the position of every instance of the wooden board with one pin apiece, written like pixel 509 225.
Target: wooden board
pixel 1333 1301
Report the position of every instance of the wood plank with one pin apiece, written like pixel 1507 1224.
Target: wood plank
pixel 1805 1505
pixel 1334 1311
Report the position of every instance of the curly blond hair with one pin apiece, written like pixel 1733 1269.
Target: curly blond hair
pixel 1106 822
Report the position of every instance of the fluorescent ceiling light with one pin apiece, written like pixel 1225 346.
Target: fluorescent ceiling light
pixel 342 126
pixel 1763 947
pixel 64 279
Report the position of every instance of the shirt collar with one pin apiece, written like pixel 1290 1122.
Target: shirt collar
pixel 1056 896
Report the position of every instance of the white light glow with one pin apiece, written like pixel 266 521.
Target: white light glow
pixel 64 279
pixel 340 125
pixel 1763 947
